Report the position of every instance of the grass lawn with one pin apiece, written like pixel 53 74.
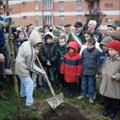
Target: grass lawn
pixel 8 108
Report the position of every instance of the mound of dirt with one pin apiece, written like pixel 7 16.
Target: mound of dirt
pixel 63 112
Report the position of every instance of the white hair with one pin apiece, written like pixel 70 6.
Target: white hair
pixel 93 22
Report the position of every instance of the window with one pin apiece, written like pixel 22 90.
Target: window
pixel 78 5
pixel 61 20
pixel 108 5
pixel 24 17
pixel 61 6
pixel 47 5
pixel 36 7
pixel 48 20
pixel 24 2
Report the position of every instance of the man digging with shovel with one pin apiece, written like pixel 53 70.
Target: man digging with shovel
pixel 25 64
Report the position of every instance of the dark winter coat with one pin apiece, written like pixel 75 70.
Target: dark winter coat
pixel 2 34
pixel 18 43
pixel 90 61
pixel 81 36
pixel 61 52
pixel 48 52
pixel 71 65
pixel 98 36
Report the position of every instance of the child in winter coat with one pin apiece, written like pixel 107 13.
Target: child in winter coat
pixel 48 56
pixel 25 65
pixel 61 50
pixel 90 64
pixel 71 68
pixel 110 84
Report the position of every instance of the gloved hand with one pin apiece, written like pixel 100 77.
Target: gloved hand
pixel 113 77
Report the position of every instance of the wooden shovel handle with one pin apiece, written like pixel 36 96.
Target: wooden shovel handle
pixel 48 82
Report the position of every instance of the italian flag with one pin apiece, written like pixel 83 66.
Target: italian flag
pixel 75 37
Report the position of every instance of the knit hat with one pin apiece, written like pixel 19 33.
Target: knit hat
pixel 116 35
pixel 114 45
pixel 49 34
pixel 113 25
pixel 105 41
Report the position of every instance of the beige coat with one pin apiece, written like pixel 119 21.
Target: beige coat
pixel 25 60
pixel 110 85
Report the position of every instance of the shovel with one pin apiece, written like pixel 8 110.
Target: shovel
pixel 56 100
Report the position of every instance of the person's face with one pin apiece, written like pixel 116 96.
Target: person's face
pixel 110 30
pixel 112 52
pixel 91 27
pixel 67 29
pixel 71 50
pixel 21 35
pixel 1 10
pixel 87 37
pixel 49 40
pixel 61 42
pixel 30 29
pixel 78 29
pixel 37 47
pixel 90 47
pixel 46 29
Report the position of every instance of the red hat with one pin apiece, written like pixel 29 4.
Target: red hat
pixel 114 44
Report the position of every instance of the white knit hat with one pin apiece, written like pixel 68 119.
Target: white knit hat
pixel 49 33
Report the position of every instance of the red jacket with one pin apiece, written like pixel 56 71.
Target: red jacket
pixel 71 65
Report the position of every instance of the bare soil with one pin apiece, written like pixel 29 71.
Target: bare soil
pixel 63 112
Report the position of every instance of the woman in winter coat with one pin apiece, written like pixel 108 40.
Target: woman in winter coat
pixel 71 68
pixel 110 85
pixel 25 65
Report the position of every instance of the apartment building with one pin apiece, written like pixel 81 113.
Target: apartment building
pixel 59 12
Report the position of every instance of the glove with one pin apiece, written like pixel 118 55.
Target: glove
pixel 113 77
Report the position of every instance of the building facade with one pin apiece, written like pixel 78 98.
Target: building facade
pixel 59 12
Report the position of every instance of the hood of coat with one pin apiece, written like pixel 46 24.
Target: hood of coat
pixel 74 45
pixel 35 38
pixel 49 34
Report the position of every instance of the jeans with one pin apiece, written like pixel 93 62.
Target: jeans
pixel 26 90
pixel 88 86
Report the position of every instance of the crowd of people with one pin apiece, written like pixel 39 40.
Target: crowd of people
pixel 72 58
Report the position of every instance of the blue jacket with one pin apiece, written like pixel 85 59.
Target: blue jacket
pixel 90 61
pixel 2 35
